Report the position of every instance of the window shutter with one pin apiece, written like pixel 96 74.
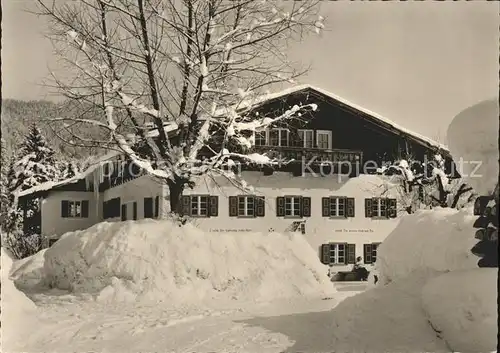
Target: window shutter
pixel 134 210
pixel 124 212
pixel 367 253
pixel 233 206
pixel 214 206
pixel 85 209
pixel 105 210
pixel 148 207
pixel 280 207
pixel 117 204
pixel 384 204
pixel 368 208
pixel 325 206
pixel 186 205
pixel 351 253
pixel 392 208
pixel 260 210
pixel 157 206
pixel 306 206
pixel 325 254
pixel 64 209
pixel 350 207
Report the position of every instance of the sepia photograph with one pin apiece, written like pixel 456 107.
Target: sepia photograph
pixel 249 176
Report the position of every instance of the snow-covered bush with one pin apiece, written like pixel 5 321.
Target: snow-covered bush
pixel 160 261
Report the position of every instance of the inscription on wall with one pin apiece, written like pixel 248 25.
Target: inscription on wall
pixel 230 230
pixel 344 230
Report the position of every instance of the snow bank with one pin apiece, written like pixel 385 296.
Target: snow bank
pixel 385 319
pixel 16 306
pixel 473 142
pixel 28 273
pixel 463 305
pixel 429 241
pixel 157 260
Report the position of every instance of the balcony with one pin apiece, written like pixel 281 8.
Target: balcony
pixel 310 155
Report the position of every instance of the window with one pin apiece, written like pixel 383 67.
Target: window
pixel 111 208
pixel 200 205
pixel 151 207
pixel 306 138
pixel 378 207
pixel 370 253
pixel 75 209
pixel 338 254
pixel 246 206
pixel 129 211
pixel 278 137
pixel 261 138
pixel 324 139
pixel 337 207
pixel 293 206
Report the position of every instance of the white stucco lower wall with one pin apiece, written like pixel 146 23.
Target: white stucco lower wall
pixel 55 225
pixel 358 230
pixel 136 190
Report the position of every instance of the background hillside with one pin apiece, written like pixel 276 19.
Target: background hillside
pixel 17 117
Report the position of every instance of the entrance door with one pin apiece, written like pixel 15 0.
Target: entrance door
pixel 129 211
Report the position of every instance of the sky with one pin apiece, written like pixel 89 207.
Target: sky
pixel 416 63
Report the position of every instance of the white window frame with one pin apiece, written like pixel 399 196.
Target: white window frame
pixel 292 200
pixel 266 137
pixel 246 207
pixel 324 132
pixel 379 208
pixel 198 203
pixel 71 204
pixel 335 253
pixel 304 134
pixel 280 130
pixel 335 200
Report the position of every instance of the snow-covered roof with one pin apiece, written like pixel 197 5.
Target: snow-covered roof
pixel 78 177
pixel 267 97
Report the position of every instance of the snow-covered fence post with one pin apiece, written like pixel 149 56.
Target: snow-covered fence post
pixel 191 69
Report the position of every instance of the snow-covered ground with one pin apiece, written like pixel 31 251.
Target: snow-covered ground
pixel 431 296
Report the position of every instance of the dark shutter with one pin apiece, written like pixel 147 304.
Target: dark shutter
pixel 157 206
pixel 351 253
pixel 124 212
pixel 85 209
pixel 280 207
pixel 260 209
pixel 148 207
pixel 64 209
pixel 306 206
pixel 392 208
pixel 350 207
pixel 368 208
pixel 134 210
pixel 233 206
pixel 214 206
pixel 186 205
pixel 303 228
pixel 367 253
pixel 105 210
pixel 325 254
pixel 117 207
pixel 325 207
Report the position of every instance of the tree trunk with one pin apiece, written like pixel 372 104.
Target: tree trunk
pixel 175 190
pixel 462 190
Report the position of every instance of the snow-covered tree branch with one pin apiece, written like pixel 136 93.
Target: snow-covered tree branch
pixel 191 69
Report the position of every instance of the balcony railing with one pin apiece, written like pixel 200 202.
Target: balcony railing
pixel 313 155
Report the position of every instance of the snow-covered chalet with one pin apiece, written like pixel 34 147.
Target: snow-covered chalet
pixel 343 216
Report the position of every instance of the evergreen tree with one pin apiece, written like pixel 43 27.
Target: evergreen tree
pixel 4 182
pixel 36 162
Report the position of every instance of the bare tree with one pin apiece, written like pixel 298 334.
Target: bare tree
pixel 194 66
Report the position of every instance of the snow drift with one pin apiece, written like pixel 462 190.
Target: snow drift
pixel 429 241
pixel 463 306
pixel 16 306
pixel 160 261
pixel 473 143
